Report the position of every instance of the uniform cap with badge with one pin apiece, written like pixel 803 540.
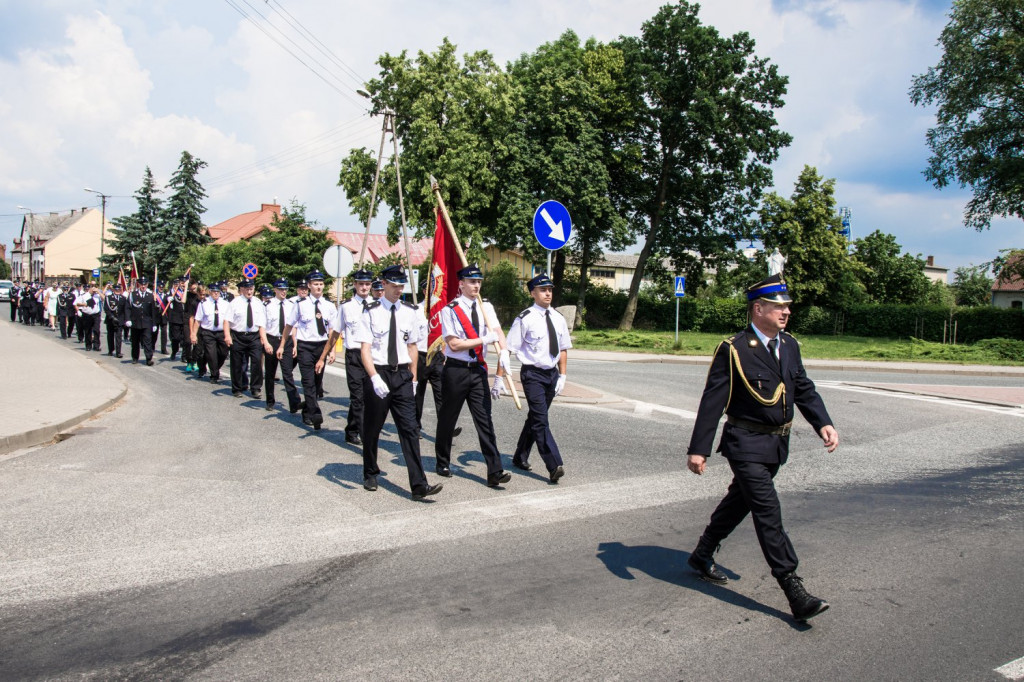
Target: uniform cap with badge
pixel 470 272
pixel 378 284
pixel 394 274
pixel 362 275
pixel 772 290
pixel 315 276
pixel 281 283
pixel 541 280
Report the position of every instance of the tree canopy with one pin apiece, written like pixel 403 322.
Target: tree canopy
pixel 978 141
pixel 889 277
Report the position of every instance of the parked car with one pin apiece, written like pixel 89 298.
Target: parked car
pixel 5 289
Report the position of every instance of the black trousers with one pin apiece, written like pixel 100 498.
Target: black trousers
pixel 114 338
pixel 214 350
pixel 401 403
pixel 355 374
pixel 428 374
pixel 466 385
pixel 86 323
pixel 162 331
pixel 287 364
pixel 79 327
pixel 246 354
pixel 142 335
pixel 177 332
pixel 539 387
pixel 752 491
pixel 62 323
pixel 199 355
pixel 14 310
pixel 312 383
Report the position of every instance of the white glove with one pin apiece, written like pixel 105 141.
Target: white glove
pixel 560 384
pixel 379 387
pixel 505 361
pixel 498 388
pixel 414 385
pixel 489 337
pixel 154 330
pixel 128 323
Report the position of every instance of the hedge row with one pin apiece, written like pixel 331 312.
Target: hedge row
pixel 604 310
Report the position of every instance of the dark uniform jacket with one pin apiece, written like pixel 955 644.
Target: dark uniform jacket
pixel 65 304
pixel 144 310
pixel 745 382
pixel 114 307
pixel 175 312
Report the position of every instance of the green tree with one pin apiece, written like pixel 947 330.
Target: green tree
pixel 972 286
pixel 694 165
pixel 888 276
pixel 452 119
pixel 215 262
pixel 572 107
pixel 806 229
pixel 293 249
pixel 181 222
pixel 979 137
pixel 5 269
pixel 134 233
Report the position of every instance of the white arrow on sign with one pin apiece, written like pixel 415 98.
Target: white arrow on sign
pixel 557 232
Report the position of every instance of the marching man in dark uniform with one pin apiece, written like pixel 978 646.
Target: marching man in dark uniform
pixel 144 312
pixel 65 308
pixel 311 318
pixel 756 379
pixel 175 317
pixel 350 314
pixel 464 380
pixel 387 334
pixel 114 307
pixel 540 338
pixel 247 340
pixel 278 311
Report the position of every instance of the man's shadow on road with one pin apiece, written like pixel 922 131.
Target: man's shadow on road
pixel 670 566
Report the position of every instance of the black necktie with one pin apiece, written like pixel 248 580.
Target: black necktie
pixel 393 339
pixel 772 345
pixel 320 328
pixel 474 319
pixel 216 316
pixel 280 320
pixel 248 316
pixel 552 335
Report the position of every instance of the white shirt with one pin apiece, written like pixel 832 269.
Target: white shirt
pixel 91 303
pixel 374 328
pixel 239 310
pixel 765 340
pixel 275 308
pixel 303 318
pixel 424 324
pixel 205 314
pixel 350 314
pixel 450 326
pixel 528 337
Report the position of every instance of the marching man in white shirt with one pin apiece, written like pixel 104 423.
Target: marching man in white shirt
pixel 540 338
pixel 311 318
pixel 212 317
pixel 247 340
pixel 387 335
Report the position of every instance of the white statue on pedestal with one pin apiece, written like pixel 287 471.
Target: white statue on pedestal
pixel 776 262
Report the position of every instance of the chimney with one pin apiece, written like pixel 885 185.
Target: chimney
pixel 931 261
pixel 275 207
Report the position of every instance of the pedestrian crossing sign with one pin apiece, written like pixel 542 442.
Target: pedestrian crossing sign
pixel 680 287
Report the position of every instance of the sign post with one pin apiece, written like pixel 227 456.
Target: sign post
pixel 338 263
pixel 680 293
pixel 552 227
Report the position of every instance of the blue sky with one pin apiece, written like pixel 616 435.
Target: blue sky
pixel 94 91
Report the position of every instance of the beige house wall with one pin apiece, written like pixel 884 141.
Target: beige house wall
pixel 1007 299
pixel 77 248
pixel 494 255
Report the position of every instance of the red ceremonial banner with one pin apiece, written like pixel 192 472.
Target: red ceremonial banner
pixel 444 284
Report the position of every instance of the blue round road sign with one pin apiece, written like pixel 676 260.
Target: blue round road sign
pixel 249 271
pixel 552 225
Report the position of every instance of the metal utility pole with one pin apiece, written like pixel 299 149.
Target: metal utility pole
pixel 103 228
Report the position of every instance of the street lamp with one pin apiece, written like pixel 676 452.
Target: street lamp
pixel 21 264
pixel 103 228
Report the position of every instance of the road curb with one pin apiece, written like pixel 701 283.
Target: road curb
pixel 931 394
pixel 45 434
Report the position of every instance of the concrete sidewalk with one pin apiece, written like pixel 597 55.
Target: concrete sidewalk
pixel 49 386
pixel 831 365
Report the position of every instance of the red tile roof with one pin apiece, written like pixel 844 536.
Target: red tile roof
pixel 1012 283
pixel 377 246
pixel 244 226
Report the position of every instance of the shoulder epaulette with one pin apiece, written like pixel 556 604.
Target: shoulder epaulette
pixel 410 305
pixel 453 304
pixel 375 304
pixel 524 313
pixel 347 300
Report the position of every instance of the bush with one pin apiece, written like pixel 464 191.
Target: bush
pixel 1004 349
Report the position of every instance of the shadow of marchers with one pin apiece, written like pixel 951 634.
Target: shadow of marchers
pixel 350 477
pixel 669 565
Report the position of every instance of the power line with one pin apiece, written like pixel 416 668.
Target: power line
pixel 297 25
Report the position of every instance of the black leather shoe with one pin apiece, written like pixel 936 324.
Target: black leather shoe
pixel 119 355
pixel 236 394
pixel 307 421
pixel 456 432
pixel 269 407
pixel 353 439
pixel 370 483
pixel 557 474
pixel 498 479
pixel 706 569
pixel 519 464
pixel 316 426
pixel 802 605
pixel 444 471
pixel 428 491
pixel 135 362
pixel 294 408
pixel 256 395
pixel 149 363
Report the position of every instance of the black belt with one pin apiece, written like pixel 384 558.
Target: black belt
pixel 539 368
pixel 212 331
pixel 759 427
pixel 391 368
pixel 246 334
pixel 452 362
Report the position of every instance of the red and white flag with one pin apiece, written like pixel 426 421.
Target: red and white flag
pixel 444 282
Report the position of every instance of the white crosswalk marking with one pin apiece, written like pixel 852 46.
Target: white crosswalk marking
pixel 1014 670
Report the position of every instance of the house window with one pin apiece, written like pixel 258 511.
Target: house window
pixel 1016 304
pixel 602 274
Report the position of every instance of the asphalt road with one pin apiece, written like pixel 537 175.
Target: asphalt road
pixel 190 535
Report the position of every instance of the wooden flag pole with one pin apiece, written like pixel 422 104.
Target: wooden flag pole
pixel 509 384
